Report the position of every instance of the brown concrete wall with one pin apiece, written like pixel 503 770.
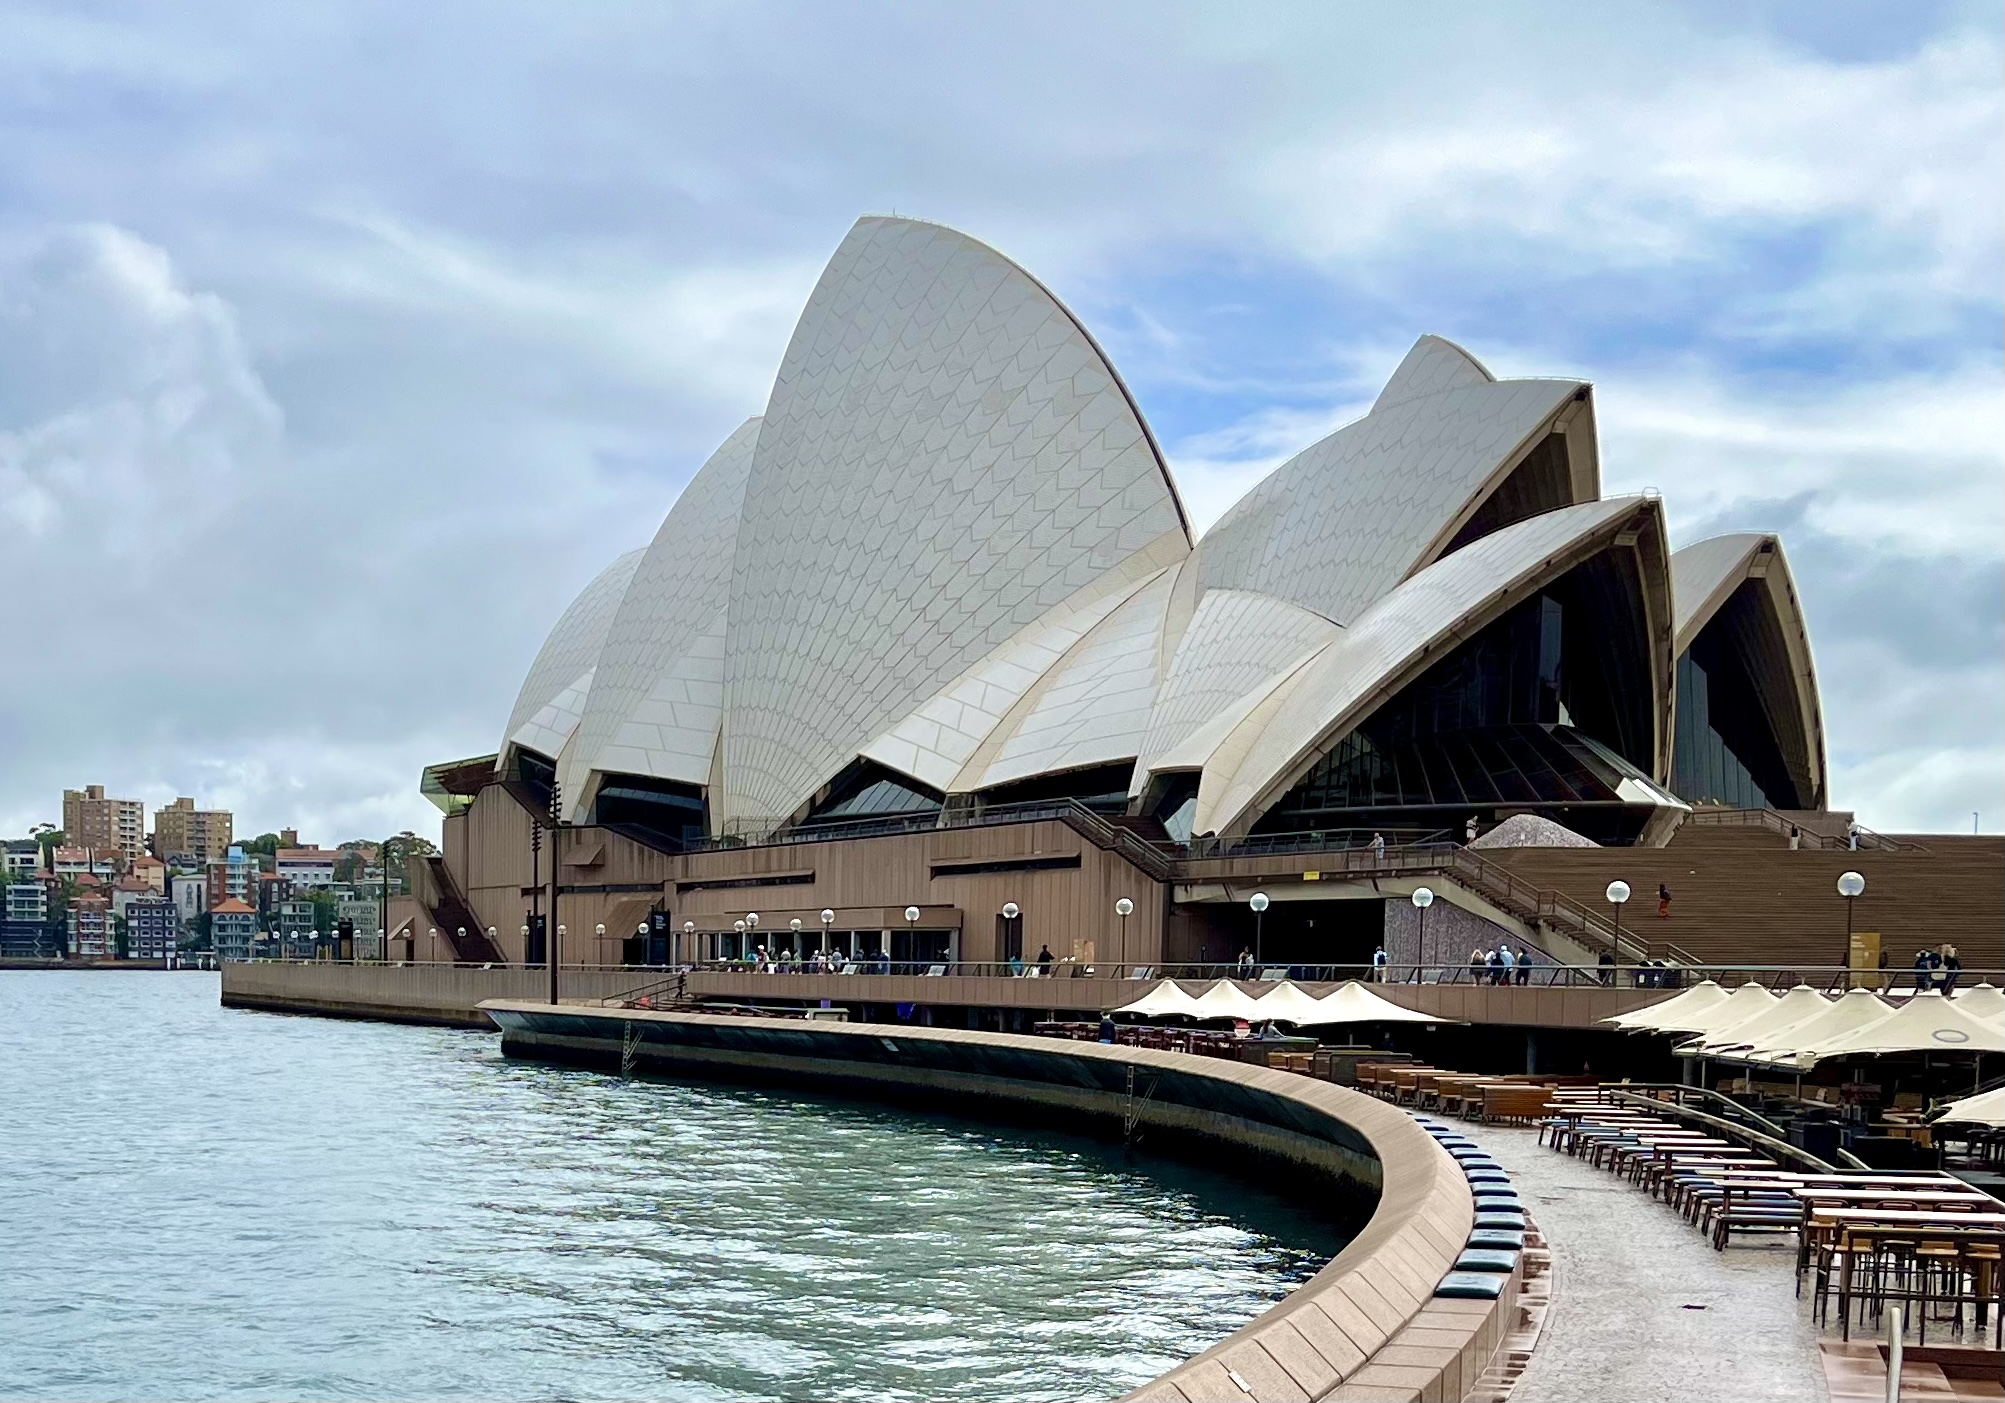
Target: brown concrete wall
pixel 867 881
pixel 1366 1326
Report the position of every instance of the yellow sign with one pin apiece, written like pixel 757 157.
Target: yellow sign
pixel 1312 876
pixel 1862 957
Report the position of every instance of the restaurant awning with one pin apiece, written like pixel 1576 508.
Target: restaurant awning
pixel 1926 1022
pixel 1854 1009
pixel 1289 1002
pixel 1226 1000
pixel 1669 1015
pixel 1351 1002
pixel 1799 1004
pixel 1987 1108
pixel 1164 1000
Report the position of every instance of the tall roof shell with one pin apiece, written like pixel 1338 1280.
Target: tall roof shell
pixel 1344 521
pixel 657 697
pixel 945 457
pixel 567 657
pixel 1366 665
pixel 1705 575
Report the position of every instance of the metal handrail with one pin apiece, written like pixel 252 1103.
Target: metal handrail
pixel 1809 838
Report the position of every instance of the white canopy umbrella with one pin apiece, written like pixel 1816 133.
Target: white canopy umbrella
pixel 1289 1002
pixel 1926 1022
pixel 1226 1000
pixel 1667 1014
pixel 1985 1109
pixel 1799 1004
pixel 1351 1002
pixel 1165 999
pixel 1852 1010
pixel 1981 1001
pixel 1741 1004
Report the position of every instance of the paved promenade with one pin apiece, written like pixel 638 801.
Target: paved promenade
pixel 1627 1274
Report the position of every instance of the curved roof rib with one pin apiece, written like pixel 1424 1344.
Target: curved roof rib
pixel 1324 699
pixel 1705 576
pixel 946 456
pixel 1344 521
pixel 657 696
pixel 563 665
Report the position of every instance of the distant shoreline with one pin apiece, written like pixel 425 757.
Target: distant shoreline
pixel 104 965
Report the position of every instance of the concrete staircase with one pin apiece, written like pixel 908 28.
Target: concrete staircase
pixel 1741 896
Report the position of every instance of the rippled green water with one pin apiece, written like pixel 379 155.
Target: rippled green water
pixel 203 1203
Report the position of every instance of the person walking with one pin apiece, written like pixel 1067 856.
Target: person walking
pixel 1924 980
pixel 1106 1025
pixel 1044 959
pixel 1378 848
pixel 1507 963
pixel 1469 830
pixel 1378 965
pixel 1476 966
pixel 1952 965
pixel 1245 963
pixel 1492 963
pixel 1852 834
pixel 1663 901
pixel 1605 967
pixel 1524 967
pixel 1795 838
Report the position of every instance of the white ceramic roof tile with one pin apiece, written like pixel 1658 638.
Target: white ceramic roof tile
pixel 945 457
pixel 935 742
pixel 1348 518
pixel 1234 643
pixel 1093 706
pixel 1434 364
pixel 663 646
pixel 551 728
pixel 1326 698
pixel 572 647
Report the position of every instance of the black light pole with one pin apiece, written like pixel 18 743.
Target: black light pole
pixel 556 864
pixel 383 903
pixel 535 884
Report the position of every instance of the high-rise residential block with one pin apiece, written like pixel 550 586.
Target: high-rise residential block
pixel 188 837
pixel 92 820
pixel 233 928
pixel 90 928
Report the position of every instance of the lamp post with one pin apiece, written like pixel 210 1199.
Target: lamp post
pixel 827 920
pixel 432 944
pixel 743 951
pixel 556 941
pixel 1010 912
pixel 688 942
pixel 599 931
pixel 911 927
pixel 1258 901
pixel 525 943
pixel 1851 885
pixel 1423 897
pixel 795 926
pixel 1123 908
pixel 1618 892
pixel 492 943
pixel 641 933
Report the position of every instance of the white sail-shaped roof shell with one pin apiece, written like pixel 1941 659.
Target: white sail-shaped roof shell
pixel 657 699
pixel 945 457
pixel 951 549
pixel 1706 574
pixel 548 707
pixel 1283 733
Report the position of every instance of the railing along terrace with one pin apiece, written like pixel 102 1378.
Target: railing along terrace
pixel 1807 838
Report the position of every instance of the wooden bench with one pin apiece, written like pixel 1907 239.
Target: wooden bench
pixel 1514 1102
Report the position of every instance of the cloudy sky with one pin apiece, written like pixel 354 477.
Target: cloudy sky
pixel 341 343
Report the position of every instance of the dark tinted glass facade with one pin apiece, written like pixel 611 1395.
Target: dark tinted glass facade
pixel 867 790
pixel 660 813
pixel 1737 719
pixel 1548 705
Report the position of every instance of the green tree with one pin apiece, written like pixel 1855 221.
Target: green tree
pixel 323 911
pixel 50 837
pixel 121 938
pixel 399 852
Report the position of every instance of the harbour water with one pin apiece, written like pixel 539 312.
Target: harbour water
pixel 207 1203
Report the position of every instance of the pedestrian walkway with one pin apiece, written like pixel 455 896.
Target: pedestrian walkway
pixel 1643 1309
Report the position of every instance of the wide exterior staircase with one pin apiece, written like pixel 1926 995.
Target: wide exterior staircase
pixel 1740 895
pixel 451 915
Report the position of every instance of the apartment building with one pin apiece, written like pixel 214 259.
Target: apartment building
pixel 90 928
pixel 188 837
pixel 191 895
pixel 20 857
pixel 306 868
pixel 233 877
pixel 91 819
pixel 233 929
pixel 152 927
pixel 71 861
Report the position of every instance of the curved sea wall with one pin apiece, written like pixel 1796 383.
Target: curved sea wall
pixel 1368 1326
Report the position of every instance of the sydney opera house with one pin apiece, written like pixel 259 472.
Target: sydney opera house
pixel 928 655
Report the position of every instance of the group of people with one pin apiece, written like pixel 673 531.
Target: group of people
pixel 1937 968
pixel 764 961
pixel 1502 965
